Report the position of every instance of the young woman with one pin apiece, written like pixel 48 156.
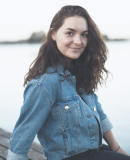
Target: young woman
pixel 60 105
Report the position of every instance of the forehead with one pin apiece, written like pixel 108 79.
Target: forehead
pixel 77 23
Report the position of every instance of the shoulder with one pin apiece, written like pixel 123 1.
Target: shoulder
pixel 95 96
pixel 47 83
pixel 47 79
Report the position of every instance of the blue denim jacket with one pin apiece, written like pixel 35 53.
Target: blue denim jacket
pixel 65 123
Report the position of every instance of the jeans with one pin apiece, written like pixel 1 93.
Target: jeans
pixel 102 153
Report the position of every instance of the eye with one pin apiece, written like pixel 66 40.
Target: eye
pixel 69 33
pixel 85 35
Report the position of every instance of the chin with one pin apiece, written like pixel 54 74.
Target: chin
pixel 75 57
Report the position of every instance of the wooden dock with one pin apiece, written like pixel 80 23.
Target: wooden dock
pixel 35 151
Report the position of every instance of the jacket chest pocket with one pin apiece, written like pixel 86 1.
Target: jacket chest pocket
pixel 68 113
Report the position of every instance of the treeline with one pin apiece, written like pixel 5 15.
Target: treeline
pixel 36 37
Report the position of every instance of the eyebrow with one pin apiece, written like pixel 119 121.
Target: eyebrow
pixel 74 30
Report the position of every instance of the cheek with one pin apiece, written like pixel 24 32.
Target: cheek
pixel 85 42
pixel 66 42
pixel 63 43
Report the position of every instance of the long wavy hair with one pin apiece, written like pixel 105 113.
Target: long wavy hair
pixel 89 68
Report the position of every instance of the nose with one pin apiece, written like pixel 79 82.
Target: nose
pixel 77 40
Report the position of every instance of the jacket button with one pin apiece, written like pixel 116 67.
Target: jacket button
pixel 66 107
pixel 94 109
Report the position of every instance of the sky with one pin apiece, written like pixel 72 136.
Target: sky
pixel 19 18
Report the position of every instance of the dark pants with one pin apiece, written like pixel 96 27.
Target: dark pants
pixel 102 153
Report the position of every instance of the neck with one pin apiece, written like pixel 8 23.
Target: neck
pixel 68 60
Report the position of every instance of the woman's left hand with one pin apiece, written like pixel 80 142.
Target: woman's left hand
pixel 120 150
pixel 110 139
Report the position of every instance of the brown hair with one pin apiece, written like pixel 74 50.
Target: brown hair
pixel 88 68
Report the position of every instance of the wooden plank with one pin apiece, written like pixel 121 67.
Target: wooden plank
pixel 3 152
pixel 4 141
pixel 32 155
pixel 5 133
pixel 35 146
pixel 35 151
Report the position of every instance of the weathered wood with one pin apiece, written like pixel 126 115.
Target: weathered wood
pixel 3 152
pixel 5 133
pixel 34 145
pixel 35 151
pixel 4 141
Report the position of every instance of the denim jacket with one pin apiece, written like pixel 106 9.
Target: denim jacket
pixel 65 123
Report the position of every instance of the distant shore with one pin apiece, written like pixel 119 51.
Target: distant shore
pixel 36 37
pixel 39 37
pixel 106 38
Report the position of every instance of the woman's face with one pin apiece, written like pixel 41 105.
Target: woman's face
pixel 71 37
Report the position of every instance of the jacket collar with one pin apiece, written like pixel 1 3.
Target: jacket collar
pixel 60 70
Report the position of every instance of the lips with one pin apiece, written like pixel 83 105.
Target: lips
pixel 75 49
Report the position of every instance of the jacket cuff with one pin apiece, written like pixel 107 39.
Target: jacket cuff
pixel 13 156
pixel 106 125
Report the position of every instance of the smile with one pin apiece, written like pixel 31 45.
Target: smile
pixel 75 49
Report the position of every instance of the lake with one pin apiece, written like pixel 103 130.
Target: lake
pixel 115 97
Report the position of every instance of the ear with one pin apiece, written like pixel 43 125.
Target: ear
pixel 53 34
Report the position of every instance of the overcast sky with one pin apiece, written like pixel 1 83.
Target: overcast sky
pixel 19 18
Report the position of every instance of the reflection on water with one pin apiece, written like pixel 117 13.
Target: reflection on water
pixel 14 64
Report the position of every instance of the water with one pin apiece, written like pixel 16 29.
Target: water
pixel 115 98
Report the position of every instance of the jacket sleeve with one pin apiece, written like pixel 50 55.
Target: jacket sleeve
pixel 34 112
pixel 106 124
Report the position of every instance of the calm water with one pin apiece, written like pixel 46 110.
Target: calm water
pixel 115 98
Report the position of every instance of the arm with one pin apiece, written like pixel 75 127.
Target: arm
pixel 111 141
pixel 34 112
pixel 107 126
pixel 105 123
